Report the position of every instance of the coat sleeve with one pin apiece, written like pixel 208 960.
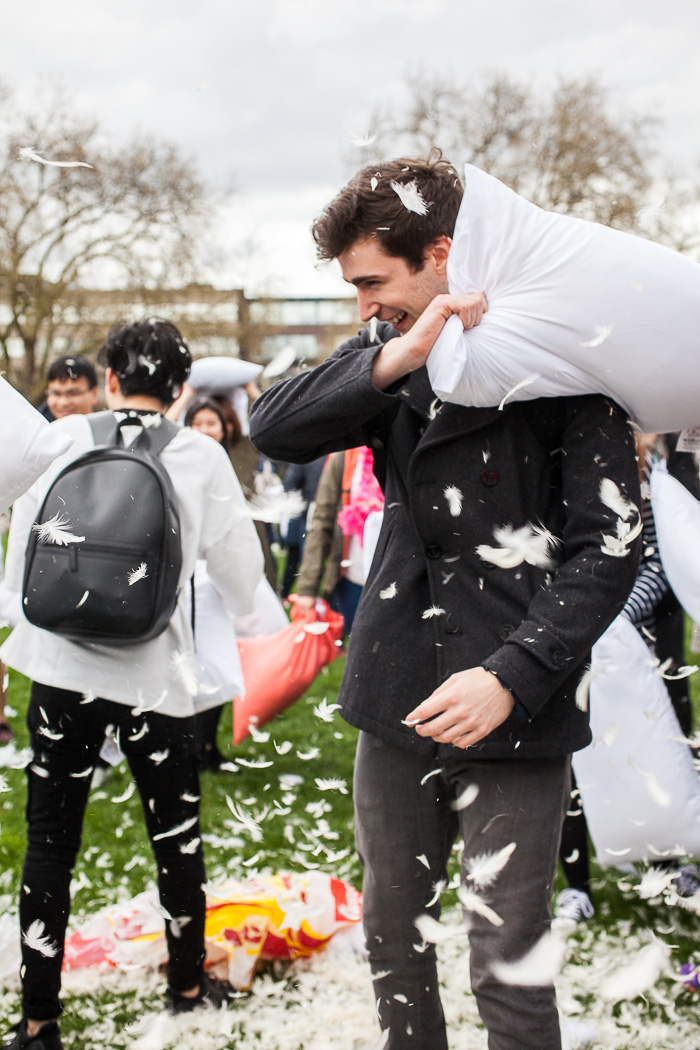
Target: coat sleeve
pixel 327 409
pixel 589 587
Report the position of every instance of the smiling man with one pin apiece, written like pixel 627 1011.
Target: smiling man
pixel 487 590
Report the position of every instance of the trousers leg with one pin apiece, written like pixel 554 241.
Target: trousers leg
pixel 404 834
pixel 66 742
pixel 519 802
pixel 167 779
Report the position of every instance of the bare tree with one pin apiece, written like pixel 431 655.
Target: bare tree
pixel 135 217
pixel 568 151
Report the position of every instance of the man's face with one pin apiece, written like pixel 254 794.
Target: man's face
pixel 387 287
pixel 71 397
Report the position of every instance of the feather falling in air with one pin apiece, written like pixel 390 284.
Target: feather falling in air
pixel 389 592
pixel 538 968
pixel 36 939
pixel 602 331
pixel 434 610
pixel 454 500
pixel 471 901
pixel 27 153
pixel 529 543
pixel 56 530
pixel 484 868
pixel 641 974
pixel 584 687
pixel 273 508
pixel 434 932
pixel 518 386
pixel 410 196
pixel 468 796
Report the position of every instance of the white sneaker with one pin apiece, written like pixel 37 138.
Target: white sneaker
pixel 572 907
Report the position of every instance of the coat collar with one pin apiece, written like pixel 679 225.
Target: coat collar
pixel 442 421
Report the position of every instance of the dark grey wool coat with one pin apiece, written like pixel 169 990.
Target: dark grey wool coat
pixel 533 462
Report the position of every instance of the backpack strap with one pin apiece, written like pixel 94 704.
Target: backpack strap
pixel 106 431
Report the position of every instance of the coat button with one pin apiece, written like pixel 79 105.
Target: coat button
pixel 559 658
pixel 490 477
pixel 433 551
pixel 506 630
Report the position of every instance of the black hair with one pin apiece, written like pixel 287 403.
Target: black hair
pixel 148 357
pixel 72 366
pixel 203 402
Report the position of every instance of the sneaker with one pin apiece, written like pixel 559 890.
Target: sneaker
pixel 686 884
pixel 48 1038
pixel 212 992
pixel 572 907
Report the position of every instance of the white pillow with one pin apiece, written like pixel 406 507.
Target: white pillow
pixel 585 307
pixel 677 520
pixel 640 789
pixel 225 376
pixel 29 444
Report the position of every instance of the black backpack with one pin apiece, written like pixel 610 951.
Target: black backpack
pixel 104 556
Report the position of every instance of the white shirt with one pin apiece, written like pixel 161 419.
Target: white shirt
pixel 158 674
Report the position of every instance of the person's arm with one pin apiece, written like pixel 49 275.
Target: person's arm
pixel 326 409
pixel 566 617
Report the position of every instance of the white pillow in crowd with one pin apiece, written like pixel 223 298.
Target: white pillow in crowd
pixel 640 789
pixel 226 376
pixel 677 520
pixel 34 444
pixel 578 306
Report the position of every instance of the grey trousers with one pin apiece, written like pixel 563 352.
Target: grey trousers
pixel 397 820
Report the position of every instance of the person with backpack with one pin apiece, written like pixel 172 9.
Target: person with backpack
pixel 112 531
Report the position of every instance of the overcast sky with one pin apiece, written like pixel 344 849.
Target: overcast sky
pixel 266 93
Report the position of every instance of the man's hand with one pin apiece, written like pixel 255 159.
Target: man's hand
pixel 401 356
pixel 464 709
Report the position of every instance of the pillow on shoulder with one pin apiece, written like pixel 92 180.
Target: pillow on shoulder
pixel 34 443
pixel 574 308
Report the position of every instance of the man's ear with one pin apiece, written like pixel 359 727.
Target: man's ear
pixel 111 381
pixel 437 253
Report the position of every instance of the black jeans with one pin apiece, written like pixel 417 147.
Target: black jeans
pixel 66 737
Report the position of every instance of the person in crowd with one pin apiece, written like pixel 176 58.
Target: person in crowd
pixel 138 689
pixel 487 589
pixel 651 603
pixel 71 387
pixel 302 478
pixel 333 562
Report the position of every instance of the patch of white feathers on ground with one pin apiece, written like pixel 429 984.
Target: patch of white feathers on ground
pixel 326 1003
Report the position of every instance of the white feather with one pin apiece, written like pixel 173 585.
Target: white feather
pixel 56 530
pixel 538 968
pixel 183 667
pixel 138 574
pixel 434 932
pixel 654 882
pixel 325 711
pixel 583 688
pixel 484 868
pixel 611 496
pixel 434 610
pixel 602 331
pixel 331 784
pixel 454 500
pixel 273 508
pixel 466 798
pixel 282 361
pixel 177 830
pixel 518 386
pixel 36 939
pixel 246 821
pixel 410 196
pixel 529 543
pixel 389 592
pixel 471 901
pixel 360 140
pixel 638 976
pixel 27 153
